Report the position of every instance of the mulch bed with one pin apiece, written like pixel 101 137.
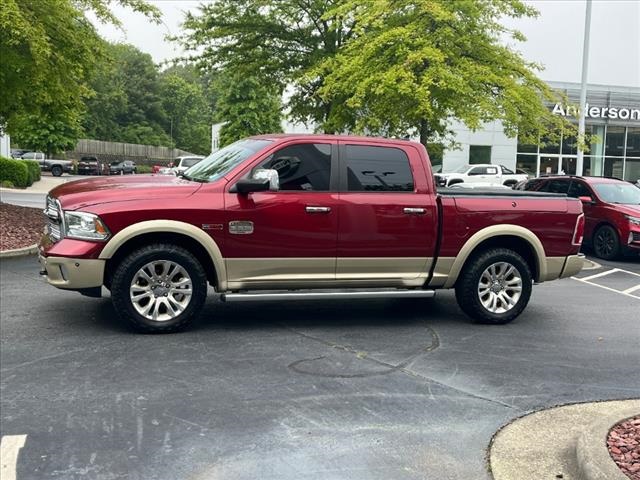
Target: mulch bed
pixel 624 446
pixel 19 226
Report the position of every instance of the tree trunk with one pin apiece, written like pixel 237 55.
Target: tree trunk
pixel 425 132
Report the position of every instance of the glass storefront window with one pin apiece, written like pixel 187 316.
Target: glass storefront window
pixel 613 167
pixel 524 148
pixel 632 169
pixel 633 142
pixel 528 163
pixel 569 165
pixel 614 145
pixel 546 146
pixel 479 154
pixel 548 165
pixel 586 166
pixel 569 146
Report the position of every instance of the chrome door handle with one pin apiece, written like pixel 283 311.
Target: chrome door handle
pixel 414 211
pixel 318 209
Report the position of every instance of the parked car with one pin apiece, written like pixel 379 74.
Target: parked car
pixel 56 167
pixel 283 217
pixel 18 152
pixel 123 167
pixel 486 173
pixel 611 208
pixel 90 165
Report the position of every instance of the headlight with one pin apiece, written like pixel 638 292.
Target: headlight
pixel 633 220
pixel 84 226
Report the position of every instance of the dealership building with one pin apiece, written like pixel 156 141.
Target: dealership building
pixel 612 118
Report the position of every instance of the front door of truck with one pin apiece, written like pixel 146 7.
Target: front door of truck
pixel 285 238
pixel 388 228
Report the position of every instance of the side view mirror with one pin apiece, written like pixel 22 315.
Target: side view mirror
pixel 586 200
pixel 262 180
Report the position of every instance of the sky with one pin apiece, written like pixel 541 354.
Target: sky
pixel 554 39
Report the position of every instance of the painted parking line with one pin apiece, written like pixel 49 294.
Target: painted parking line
pixel 632 289
pixel 10 446
pixel 601 274
pixel 629 292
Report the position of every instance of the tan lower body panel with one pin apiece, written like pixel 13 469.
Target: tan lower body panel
pixel 73 273
pixel 554 267
pixel 264 273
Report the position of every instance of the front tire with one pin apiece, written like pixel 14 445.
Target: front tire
pixel 56 170
pixel 494 286
pixel 159 288
pixel 606 243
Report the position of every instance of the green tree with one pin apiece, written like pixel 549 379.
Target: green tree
pixel 414 65
pixel 127 105
pixel 49 50
pixel 248 107
pixel 278 41
pixel 186 109
pixel 51 133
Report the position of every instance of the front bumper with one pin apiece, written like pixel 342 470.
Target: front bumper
pixel 72 273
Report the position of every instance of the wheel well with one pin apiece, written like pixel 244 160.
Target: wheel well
pixel 510 182
pixel 184 241
pixel 512 242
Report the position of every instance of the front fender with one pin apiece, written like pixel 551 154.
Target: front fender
pixel 169 226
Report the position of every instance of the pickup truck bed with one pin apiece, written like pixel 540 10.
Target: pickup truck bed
pixel 293 214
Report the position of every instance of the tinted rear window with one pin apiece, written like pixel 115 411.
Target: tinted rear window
pixel 378 169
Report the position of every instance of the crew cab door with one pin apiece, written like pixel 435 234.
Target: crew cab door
pixel 285 238
pixel 388 226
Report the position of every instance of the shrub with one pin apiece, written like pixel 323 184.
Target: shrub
pixel 6 184
pixel 143 169
pixel 14 171
pixel 34 170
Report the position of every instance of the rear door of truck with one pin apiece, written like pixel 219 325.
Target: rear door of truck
pixel 387 227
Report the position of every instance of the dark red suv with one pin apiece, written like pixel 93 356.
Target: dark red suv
pixel 611 209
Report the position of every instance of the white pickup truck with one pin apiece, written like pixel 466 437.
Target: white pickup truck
pixel 483 175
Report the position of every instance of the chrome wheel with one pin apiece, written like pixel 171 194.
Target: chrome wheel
pixel 161 290
pixel 500 287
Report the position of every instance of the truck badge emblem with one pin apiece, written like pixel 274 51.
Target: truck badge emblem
pixel 239 227
pixel 212 226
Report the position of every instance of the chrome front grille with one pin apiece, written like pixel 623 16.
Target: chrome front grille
pixel 53 212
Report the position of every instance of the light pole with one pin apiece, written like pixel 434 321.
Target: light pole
pixel 583 88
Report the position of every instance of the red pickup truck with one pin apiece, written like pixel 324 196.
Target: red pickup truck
pixel 280 217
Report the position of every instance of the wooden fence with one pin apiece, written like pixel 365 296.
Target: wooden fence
pixel 115 151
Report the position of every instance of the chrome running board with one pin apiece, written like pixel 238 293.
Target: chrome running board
pixel 324 295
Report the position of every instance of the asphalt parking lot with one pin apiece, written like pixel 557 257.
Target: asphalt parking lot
pixel 383 389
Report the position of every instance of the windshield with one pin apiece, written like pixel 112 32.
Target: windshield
pixel 462 169
pixel 190 162
pixel 223 161
pixel 618 193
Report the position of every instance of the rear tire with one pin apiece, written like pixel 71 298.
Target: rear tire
pixel 606 243
pixel 159 288
pixel 494 286
pixel 56 170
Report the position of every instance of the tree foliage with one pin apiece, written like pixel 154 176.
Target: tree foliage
pixel 390 67
pixel 127 105
pixel 186 108
pixel 247 106
pixel 277 41
pixel 414 65
pixel 49 51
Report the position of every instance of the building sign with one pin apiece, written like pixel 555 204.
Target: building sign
pixel 622 113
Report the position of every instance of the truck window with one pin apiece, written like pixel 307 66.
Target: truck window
pixel 378 169
pixel 302 167
pixel 492 170
pixel 478 171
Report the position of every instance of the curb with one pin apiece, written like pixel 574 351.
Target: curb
pixel 594 461
pixel 20 252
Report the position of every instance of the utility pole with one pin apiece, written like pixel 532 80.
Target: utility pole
pixel 583 88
